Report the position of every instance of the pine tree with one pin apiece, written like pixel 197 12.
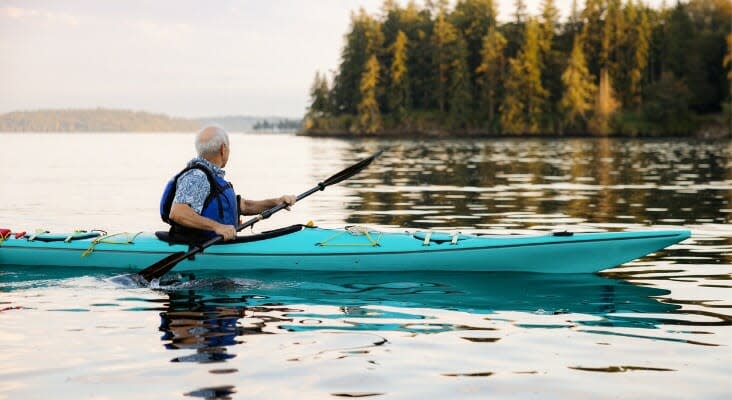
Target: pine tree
pixel 549 24
pixel 550 60
pixel 460 87
pixel 728 62
pixel 519 12
pixel 593 34
pixel 634 54
pixel 319 102
pixel 491 72
pixel 473 19
pixel 614 33
pixel 579 89
pixel 605 105
pixel 369 115
pixel 525 101
pixel 398 96
pixel 444 36
pixel 574 22
pixel 363 40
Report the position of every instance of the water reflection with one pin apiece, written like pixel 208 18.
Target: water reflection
pixel 208 314
pixel 494 184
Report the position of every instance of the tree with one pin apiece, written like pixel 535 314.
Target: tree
pixel 728 62
pixel 362 41
pixel 369 115
pixel 635 54
pixel 444 37
pixel 491 72
pixel 550 60
pixel 520 11
pixel 549 24
pixel 473 19
pixel 667 104
pixel 593 34
pixel 605 105
pixel 319 106
pixel 460 87
pixel 398 94
pixel 579 89
pixel 525 101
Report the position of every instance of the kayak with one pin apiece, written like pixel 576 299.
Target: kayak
pixel 301 247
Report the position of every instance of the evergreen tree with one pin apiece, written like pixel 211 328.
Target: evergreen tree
pixel 593 34
pixel 551 62
pixel 399 99
pixel 519 12
pixel 363 40
pixel 369 115
pixel 549 24
pixel 460 87
pixel 525 101
pixel 634 55
pixel 473 19
pixel 605 105
pixel 613 34
pixel 444 37
pixel 579 90
pixel 319 102
pixel 728 62
pixel 574 23
pixel 491 73
pixel 680 32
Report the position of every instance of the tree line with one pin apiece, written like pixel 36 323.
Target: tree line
pixel 93 120
pixel 280 125
pixel 612 67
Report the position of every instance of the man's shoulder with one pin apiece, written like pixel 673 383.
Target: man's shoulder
pixel 196 175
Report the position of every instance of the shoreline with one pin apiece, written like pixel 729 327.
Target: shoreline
pixel 702 134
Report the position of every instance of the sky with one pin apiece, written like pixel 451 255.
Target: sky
pixel 185 58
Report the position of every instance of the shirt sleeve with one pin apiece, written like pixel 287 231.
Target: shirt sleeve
pixel 192 189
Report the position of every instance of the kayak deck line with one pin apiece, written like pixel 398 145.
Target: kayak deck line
pixel 300 250
pixel 431 250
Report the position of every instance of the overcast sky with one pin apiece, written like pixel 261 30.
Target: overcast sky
pixel 185 58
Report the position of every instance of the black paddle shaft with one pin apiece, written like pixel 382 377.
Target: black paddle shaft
pixel 162 267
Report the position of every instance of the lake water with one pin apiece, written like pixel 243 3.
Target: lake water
pixel 659 327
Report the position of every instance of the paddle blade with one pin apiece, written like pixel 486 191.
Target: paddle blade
pixel 352 170
pixel 161 267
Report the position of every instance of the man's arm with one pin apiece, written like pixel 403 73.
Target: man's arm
pixel 253 207
pixel 184 215
pixel 190 195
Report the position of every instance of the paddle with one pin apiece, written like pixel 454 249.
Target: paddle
pixel 162 267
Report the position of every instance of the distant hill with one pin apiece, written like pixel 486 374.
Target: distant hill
pixel 93 120
pixel 113 120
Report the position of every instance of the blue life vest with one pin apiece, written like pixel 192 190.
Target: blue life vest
pixel 221 205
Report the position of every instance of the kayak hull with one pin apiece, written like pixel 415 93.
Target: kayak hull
pixel 319 249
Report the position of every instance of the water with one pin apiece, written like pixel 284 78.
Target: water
pixel 655 328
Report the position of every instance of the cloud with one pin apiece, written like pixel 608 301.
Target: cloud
pixel 30 15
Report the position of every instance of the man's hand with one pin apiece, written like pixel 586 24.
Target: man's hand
pixel 289 199
pixel 227 231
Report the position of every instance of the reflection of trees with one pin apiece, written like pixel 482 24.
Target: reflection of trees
pixel 429 184
pixel 604 158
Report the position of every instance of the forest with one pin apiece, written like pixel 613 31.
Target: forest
pixel 611 68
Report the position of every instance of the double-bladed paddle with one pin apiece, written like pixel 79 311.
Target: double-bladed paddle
pixel 162 267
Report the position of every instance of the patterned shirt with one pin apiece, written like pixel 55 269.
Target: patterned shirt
pixel 193 186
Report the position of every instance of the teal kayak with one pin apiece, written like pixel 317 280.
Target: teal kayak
pixel 301 247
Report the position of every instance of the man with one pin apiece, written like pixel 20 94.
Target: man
pixel 199 203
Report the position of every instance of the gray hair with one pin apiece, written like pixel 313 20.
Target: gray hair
pixel 210 139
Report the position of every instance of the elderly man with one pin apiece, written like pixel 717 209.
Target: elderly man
pixel 199 203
